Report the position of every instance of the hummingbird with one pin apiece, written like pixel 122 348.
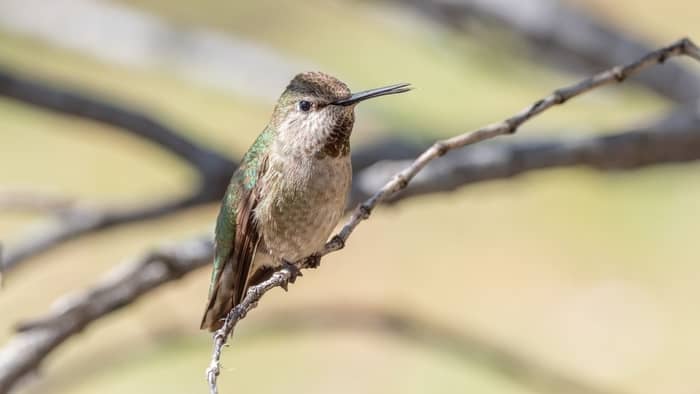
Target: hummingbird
pixel 290 189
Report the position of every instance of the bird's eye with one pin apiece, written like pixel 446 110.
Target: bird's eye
pixel 304 105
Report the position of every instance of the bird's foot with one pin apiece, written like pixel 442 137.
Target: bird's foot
pixel 313 261
pixel 294 273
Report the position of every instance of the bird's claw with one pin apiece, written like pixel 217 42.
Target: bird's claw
pixel 313 261
pixel 294 273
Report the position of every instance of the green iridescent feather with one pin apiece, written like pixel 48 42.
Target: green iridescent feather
pixel 242 182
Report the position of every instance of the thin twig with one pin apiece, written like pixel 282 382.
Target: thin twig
pixel 400 180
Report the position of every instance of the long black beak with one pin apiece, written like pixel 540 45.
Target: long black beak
pixel 372 93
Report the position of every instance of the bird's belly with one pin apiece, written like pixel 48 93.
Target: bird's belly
pixel 297 219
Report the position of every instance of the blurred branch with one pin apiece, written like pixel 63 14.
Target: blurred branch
pixel 78 220
pixel 213 169
pixel 66 101
pixel 72 313
pixel 667 141
pixel 465 346
pixel 563 33
pixel 401 180
pixel 20 200
pixel 2 272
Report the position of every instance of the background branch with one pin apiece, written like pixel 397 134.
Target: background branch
pixel 674 139
pixel 72 313
pixel 31 201
pixel 213 169
pixel 81 219
pixel 48 96
pixel 566 35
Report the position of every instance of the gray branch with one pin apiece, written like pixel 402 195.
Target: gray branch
pixel 563 33
pixel 80 219
pixel 72 313
pixel 69 102
pixel 74 220
pixel 675 139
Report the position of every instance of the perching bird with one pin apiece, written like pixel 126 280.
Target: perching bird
pixel 290 189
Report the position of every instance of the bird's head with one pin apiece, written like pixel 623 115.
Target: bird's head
pixel 316 110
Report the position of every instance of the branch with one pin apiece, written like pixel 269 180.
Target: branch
pixel 72 313
pixel 77 220
pixel 66 101
pixel 213 169
pixel 659 143
pixel 402 178
pixel 564 34
pixel 20 200
pixel 465 346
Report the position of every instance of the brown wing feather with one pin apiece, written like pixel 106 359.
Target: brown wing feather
pixel 244 247
pixel 229 282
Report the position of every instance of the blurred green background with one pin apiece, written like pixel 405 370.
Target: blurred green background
pixel 593 274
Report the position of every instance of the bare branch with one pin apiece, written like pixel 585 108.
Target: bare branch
pixel 71 314
pixel 566 35
pixel 77 220
pixel 213 169
pixel 656 144
pixel 66 101
pixel 401 179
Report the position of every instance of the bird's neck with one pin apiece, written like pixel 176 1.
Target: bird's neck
pixel 314 138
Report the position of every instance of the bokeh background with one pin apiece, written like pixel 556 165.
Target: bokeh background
pixel 592 274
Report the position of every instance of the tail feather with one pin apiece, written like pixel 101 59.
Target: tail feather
pixel 221 300
pixel 223 297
